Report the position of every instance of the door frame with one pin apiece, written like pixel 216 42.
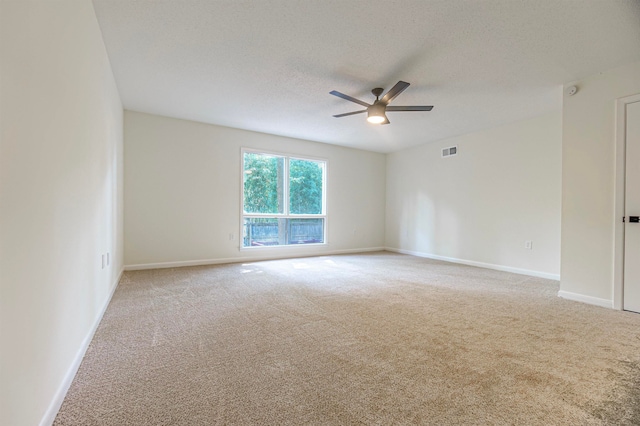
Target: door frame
pixel 619 213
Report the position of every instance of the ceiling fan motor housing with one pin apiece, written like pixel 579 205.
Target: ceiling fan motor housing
pixel 378 108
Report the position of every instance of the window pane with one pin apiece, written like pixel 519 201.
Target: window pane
pixel 260 232
pixel 305 231
pixel 305 186
pixel 263 183
pixel 263 232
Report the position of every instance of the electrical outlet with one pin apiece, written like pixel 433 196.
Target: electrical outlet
pixel 108 259
pixel 528 245
pixel 103 260
pixel 231 236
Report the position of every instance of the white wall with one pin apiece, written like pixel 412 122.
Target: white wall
pixel 588 183
pixel 60 198
pixel 182 192
pixel 481 205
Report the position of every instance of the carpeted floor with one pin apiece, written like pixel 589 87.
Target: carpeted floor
pixel 376 338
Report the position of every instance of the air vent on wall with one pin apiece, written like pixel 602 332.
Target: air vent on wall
pixel 448 152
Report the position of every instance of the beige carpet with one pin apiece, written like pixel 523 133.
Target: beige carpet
pixel 360 339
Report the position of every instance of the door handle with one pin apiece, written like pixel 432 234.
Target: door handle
pixel 634 219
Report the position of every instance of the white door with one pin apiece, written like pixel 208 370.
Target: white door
pixel 631 294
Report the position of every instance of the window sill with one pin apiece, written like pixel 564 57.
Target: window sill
pixel 283 246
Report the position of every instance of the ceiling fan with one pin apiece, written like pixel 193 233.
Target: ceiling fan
pixel 376 111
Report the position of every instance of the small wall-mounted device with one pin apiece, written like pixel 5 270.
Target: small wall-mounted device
pixel 572 90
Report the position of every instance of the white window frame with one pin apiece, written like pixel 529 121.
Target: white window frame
pixel 286 196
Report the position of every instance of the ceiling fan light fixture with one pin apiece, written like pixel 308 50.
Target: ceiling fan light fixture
pixel 375 119
pixel 375 114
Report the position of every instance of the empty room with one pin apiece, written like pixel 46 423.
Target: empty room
pixel 319 212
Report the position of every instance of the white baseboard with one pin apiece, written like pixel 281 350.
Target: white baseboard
pixel 520 271
pixel 288 255
pixel 605 303
pixel 58 399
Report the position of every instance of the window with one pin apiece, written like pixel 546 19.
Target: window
pixel 283 200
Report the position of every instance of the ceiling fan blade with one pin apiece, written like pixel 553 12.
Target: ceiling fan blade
pixel 410 108
pixel 350 113
pixel 349 98
pixel 394 91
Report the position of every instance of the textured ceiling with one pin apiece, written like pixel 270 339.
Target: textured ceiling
pixel 269 66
